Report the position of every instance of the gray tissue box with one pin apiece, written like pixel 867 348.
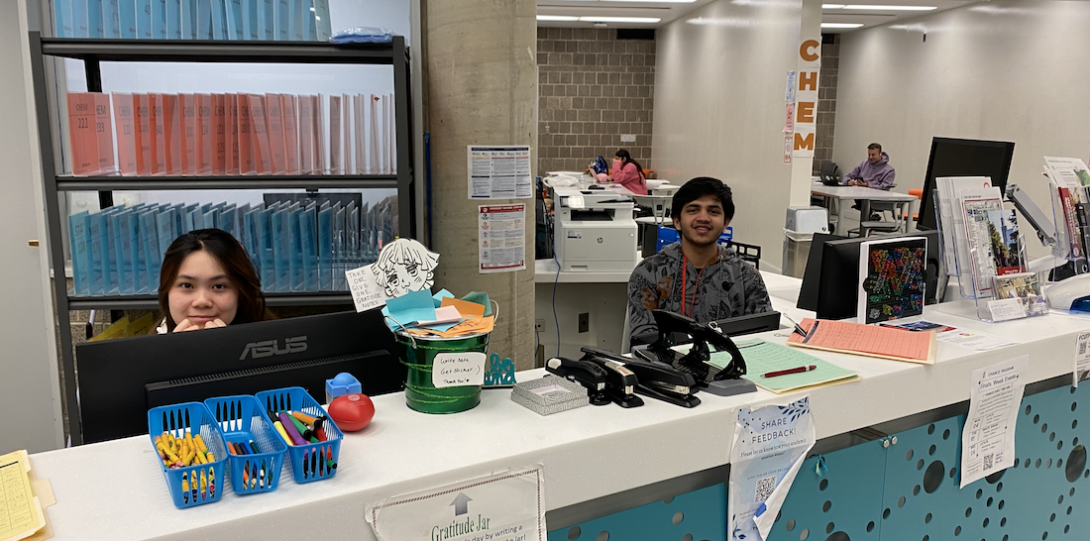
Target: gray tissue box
pixel 550 395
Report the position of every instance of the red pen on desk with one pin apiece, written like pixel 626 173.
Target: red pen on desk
pixel 798 370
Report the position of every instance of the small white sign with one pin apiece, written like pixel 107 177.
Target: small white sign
pixel 457 369
pixel 505 506
pixel 1005 309
pixel 1082 357
pixel 628 138
pixel 366 292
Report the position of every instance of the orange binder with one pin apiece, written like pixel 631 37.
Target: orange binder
pixel 291 133
pixel 275 123
pixel 260 134
pixel 232 134
pixel 158 137
pixel 306 136
pixel 143 134
pixel 126 133
pixel 219 134
pixel 188 104
pixel 81 133
pixel 204 134
pixel 245 145
pixel 172 134
pixel 104 131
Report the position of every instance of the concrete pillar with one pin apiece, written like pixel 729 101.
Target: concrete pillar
pixel 802 167
pixel 482 90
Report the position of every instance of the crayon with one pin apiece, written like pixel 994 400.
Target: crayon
pixel 185 488
pixel 211 483
pixel 290 429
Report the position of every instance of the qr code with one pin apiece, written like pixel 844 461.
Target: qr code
pixel 988 461
pixel 765 486
pixel 1082 348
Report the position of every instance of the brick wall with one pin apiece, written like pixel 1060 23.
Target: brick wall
pixel 592 88
pixel 826 116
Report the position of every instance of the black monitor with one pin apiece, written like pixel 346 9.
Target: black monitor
pixel 119 380
pixel 963 158
pixel 811 276
pixel 732 326
pixel 837 281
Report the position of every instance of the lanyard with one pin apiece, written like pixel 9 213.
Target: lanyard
pixel 684 284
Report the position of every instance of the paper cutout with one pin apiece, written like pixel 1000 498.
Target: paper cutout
pixel 410 307
pixel 405 265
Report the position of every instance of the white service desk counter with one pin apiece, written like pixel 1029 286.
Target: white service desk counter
pixel 115 491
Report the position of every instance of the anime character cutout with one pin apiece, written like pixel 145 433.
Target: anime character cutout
pixel 405 265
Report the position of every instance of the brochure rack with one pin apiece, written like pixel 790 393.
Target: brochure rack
pixel 46 52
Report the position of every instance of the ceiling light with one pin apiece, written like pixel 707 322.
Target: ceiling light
pixel 832 6
pixel 656 1
pixel 889 8
pixel 556 18
pixel 841 25
pixel 650 20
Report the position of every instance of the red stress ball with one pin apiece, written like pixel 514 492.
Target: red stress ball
pixel 352 412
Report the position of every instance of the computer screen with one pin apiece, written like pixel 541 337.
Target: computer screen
pixel 119 380
pixel 963 158
pixel 811 276
pixel 837 282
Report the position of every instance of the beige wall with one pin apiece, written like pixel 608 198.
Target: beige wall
pixel 1010 71
pixel 592 88
pixel 719 109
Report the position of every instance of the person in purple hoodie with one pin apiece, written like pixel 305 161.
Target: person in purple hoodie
pixel 875 172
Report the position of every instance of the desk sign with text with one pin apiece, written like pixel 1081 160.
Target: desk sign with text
pixel 457 369
pixel 506 506
pixel 366 291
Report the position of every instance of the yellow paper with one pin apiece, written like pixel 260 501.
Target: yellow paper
pixel 143 325
pixel 120 329
pixel 466 308
pixel 20 512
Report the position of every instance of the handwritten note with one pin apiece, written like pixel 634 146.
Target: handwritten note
pixel 366 293
pixel 457 369
pixel 873 341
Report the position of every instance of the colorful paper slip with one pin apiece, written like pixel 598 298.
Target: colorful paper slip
pixel 410 307
pixel 466 308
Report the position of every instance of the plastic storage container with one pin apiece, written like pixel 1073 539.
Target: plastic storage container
pixel 312 461
pixel 242 420
pixel 201 483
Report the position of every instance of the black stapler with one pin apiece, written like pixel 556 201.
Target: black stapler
pixel 620 381
pixel 723 382
pixel 655 380
pixel 585 373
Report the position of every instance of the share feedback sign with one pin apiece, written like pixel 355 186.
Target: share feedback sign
pixel 806 98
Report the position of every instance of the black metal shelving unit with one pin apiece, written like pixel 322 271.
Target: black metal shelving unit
pixel 95 51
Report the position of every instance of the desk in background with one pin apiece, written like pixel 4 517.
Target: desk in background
pixel 864 194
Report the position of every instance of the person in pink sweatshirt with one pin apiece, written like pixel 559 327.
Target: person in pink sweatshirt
pixel 629 173
pixel 875 172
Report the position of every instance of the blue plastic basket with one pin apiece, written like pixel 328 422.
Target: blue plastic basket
pixel 242 420
pixel 313 461
pixel 198 484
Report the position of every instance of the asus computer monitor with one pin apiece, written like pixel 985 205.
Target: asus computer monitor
pixel 119 380
pixel 963 158
pixel 837 281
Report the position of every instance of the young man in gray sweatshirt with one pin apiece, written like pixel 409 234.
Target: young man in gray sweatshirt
pixel 696 277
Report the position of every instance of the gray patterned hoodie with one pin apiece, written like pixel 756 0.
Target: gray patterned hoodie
pixel 729 287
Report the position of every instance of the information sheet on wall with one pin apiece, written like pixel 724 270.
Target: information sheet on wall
pixel 501 234
pixel 987 441
pixel 770 445
pixel 1082 358
pixel 499 172
pixel 506 506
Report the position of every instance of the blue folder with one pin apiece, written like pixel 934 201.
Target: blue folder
pixel 249 20
pixel 189 19
pixel 339 282
pixel 295 243
pixel 79 19
pixel 174 19
pixel 236 26
pixel 283 20
pixel 159 19
pixel 62 16
pixel 143 19
pixel 110 277
pixel 149 238
pixel 282 248
pixel 252 241
pixel 123 247
pixel 111 19
pixel 164 223
pixel 204 19
pixel 308 230
pixel 268 255
pixel 77 240
pixel 127 11
pixel 130 231
pixel 96 234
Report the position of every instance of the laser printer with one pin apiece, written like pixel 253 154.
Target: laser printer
pixel 595 230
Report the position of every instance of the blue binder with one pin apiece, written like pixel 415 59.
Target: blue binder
pixel 249 20
pixel 268 255
pixel 308 231
pixel 295 255
pixel 325 248
pixel 283 20
pixel 77 240
pixel 123 249
pixel 62 17
pixel 339 282
pixel 174 19
pixel 127 11
pixel 159 19
pixel 153 258
pixel 111 19
pixel 79 19
pixel 189 19
pixel 143 19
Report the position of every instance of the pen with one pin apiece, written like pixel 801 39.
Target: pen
pixel 797 370
pixel 798 328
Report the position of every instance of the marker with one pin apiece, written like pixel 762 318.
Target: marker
pixel 290 429
pixel 302 428
pixel 797 370
pixel 280 428
pixel 253 447
pixel 308 419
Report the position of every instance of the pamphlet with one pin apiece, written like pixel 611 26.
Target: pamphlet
pixel 987 441
pixel 979 208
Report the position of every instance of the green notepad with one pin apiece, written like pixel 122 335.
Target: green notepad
pixel 764 357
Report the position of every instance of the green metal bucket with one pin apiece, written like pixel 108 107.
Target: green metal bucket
pixel 417 353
